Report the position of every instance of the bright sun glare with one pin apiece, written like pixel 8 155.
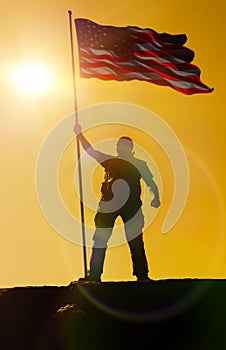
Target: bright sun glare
pixel 32 78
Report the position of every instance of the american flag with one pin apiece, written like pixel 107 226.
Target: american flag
pixel 126 53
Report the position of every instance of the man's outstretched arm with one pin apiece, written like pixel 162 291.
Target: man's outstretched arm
pixel 99 156
pixel 84 142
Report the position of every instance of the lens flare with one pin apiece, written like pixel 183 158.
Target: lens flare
pixel 161 312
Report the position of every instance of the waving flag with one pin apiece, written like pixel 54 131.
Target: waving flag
pixel 126 53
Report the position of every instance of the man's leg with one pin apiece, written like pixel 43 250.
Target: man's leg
pixel 139 260
pixel 96 263
pixel 134 235
pixel 104 225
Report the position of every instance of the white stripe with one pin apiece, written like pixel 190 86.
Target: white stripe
pixel 98 52
pixel 148 76
pixel 141 47
pixel 145 47
pixel 141 31
pixel 179 73
pixel 106 61
pixel 136 63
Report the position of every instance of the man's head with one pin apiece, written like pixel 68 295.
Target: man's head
pixel 124 146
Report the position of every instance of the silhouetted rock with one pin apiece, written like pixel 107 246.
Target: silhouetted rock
pixel 175 314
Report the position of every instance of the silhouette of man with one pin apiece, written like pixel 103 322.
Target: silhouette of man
pixel 120 196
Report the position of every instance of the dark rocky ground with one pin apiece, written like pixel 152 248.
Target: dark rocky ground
pixel 170 314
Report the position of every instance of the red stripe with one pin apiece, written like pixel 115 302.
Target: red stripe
pixel 140 69
pixel 122 75
pixel 147 53
pixel 186 91
pixel 169 63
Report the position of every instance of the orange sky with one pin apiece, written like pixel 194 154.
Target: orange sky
pixel 32 252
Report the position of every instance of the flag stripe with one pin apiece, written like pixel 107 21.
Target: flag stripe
pixel 155 41
pixel 120 67
pixel 110 75
pixel 116 73
pixel 148 50
pixel 155 64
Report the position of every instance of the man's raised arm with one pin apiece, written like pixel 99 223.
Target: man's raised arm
pixel 99 156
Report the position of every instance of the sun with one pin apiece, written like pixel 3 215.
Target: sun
pixel 32 78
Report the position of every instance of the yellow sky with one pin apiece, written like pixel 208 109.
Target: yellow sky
pixel 31 251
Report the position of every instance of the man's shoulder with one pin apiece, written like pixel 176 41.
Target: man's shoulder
pixel 139 162
pixel 117 161
pixel 143 168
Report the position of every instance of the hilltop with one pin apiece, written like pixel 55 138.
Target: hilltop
pixel 175 314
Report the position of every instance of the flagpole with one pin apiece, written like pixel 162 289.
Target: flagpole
pixel 78 146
